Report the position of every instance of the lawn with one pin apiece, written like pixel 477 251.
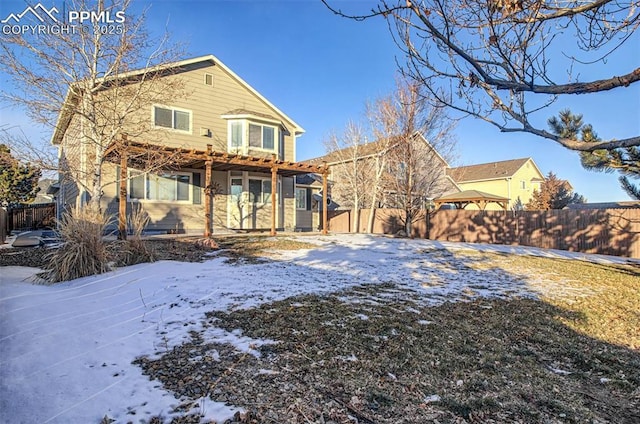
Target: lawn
pixel 349 329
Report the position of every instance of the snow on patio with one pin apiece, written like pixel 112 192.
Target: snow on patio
pixel 66 350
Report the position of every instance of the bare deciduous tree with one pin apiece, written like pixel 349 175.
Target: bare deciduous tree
pixel 503 61
pixel 404 165
pixel 85 79
pixel 348 151
pixel 422 139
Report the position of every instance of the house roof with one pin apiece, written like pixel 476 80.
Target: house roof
pixel 489 171
pixel 308 179
pixel 65 115
pixel 245 113
pixel 364 150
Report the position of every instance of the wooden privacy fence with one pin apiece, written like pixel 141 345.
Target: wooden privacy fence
pixel 603 231
pixel 30 217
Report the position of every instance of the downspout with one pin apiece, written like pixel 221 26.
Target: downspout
pixel 508 191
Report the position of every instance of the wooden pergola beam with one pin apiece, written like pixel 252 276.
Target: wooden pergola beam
pixel 122 204
pixel 325 224
pixel 208 199
pixel 130 151
pixel 274 185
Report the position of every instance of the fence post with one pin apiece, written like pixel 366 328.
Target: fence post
pixel 3 225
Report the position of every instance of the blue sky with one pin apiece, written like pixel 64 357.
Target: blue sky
pixel 320 69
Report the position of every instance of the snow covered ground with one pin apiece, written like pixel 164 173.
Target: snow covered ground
pixel 66 350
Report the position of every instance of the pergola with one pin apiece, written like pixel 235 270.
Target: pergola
pixel 127 153
pixel 472 197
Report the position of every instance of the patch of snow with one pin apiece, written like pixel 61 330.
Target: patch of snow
pixel 559 371
pixel 66 350
pixel 432 399
pixel 350 358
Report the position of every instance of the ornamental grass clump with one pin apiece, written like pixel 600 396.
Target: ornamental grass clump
pixel 83 251
pixel 134 250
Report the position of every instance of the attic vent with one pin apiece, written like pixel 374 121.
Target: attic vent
pixel 208 80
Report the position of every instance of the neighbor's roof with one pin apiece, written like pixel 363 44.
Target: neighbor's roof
pixel 489 171
pixel 364 150
pixel 64 118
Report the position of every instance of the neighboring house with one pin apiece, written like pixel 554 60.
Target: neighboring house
pixel 224 129
pixel 309 202
pixel 514 179
pixel 47 192
pixel 341 163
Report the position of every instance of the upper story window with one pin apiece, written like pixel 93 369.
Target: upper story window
pixel 523 184
pixel 177 119
pixel 261 136
pixel 245 135
pixel 236 135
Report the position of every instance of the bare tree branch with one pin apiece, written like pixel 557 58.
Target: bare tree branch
pixel 82 86
pixel 492 59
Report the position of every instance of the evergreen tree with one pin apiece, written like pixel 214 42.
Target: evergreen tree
pixel 626 160
pixel 18 181
pixel 554 193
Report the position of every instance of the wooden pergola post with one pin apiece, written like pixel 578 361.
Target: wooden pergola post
pixel 122 205
pixel 325 206
pixel 208 194
pixel 274 185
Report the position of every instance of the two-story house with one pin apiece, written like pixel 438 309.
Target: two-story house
pixel 514 179
pixel 230 157
pixel 429 169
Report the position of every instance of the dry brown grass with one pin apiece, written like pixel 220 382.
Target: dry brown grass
pixel 552 360
pixel 83 251
pixel 134 250
pixel 609 313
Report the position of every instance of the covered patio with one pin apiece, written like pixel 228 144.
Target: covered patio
pixel 472 197
pixel 126 153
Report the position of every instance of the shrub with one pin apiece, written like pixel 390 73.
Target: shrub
pixel 83 251
pixel 134 250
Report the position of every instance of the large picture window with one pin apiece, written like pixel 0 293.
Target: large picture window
pixel 172 118
pixel 163 187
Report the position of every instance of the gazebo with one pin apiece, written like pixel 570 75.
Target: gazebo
pixel 472 197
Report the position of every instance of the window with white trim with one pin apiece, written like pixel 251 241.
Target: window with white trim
pixel 171 118
pixel 235 134
pixel 252 135
pixel 301 198
pixel 260 191
pixel 163 187
pixel 261 136
pixel 523 184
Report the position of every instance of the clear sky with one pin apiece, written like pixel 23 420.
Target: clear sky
pixel 320 70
